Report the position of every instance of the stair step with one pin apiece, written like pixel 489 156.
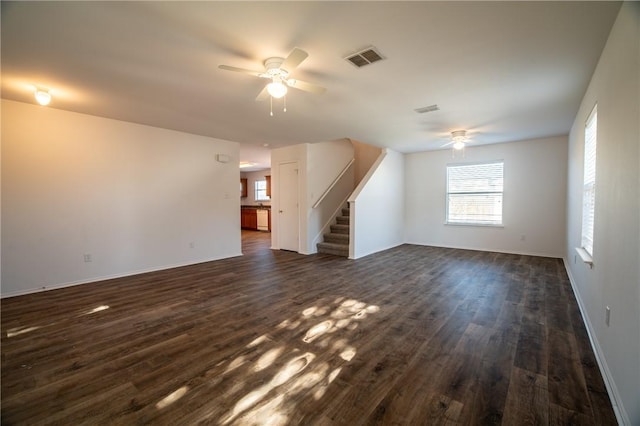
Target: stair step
pixel 340 229
pixel 346 212
pixel 334 249
pixel 342 220
pixel 336 238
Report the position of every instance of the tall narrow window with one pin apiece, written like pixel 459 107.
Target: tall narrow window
pixel 589 188
pixel 261 191
pixel 474 193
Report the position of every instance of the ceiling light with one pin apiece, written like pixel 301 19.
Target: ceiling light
pixel 458 140
pixel 276 88
pixel 458 145
pixel 43 97
pixel 245 164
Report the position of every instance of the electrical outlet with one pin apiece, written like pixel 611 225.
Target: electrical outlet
pixel 87 258
pixel 607 316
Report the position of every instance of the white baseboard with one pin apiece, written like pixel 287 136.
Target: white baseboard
pixel 377 250
pixel 616 401
pixel 491 250
pixel 108 277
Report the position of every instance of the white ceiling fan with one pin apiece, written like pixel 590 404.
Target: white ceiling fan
pixel 459 140
pixel 278 71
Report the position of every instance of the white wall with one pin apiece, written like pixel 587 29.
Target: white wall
pixel 533 205
pixel 252 177
pixel 377 207
pixel 365 156
pixel 133 197
pixel 325 162
pixel 614 280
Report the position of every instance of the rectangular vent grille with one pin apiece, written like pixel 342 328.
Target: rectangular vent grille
pixel 429 108
pixel 365 57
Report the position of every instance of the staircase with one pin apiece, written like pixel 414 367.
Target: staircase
pixel 337 241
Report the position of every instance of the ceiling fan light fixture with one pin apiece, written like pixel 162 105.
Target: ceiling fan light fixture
pixel 458 145
pixel 459 136
pixel 277 89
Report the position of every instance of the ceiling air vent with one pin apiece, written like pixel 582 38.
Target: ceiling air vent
pixel 429 108
pixel 365 57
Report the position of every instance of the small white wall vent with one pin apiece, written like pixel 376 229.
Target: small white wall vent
pixel 365 57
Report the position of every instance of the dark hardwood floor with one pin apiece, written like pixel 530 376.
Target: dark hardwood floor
pixel 413 336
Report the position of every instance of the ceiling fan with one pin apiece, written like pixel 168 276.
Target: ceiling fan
pixel 278 71
pixel 459 140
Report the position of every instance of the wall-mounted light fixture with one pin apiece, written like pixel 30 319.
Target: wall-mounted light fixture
pixel 43 97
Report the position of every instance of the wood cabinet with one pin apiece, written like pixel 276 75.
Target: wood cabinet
pixel 268 179
pixel 249 219
pixel 243 188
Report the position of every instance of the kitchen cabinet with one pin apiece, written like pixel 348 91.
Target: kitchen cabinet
pixel 243 188
pixel 249 219
pixel 268 179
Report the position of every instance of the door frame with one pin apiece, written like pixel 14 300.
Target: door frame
pixel 295 164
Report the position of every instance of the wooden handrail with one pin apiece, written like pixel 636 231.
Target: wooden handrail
pixel 324 194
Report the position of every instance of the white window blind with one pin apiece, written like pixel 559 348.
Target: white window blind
pixel 474 193
pixel 589 188
pixel 261 190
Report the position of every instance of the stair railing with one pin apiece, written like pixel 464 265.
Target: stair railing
pixel 335 181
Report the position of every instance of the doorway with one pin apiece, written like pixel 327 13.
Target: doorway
pixel 255 242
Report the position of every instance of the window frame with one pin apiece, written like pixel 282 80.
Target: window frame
pixel 589 178
pixel 256 190
pixel 447 193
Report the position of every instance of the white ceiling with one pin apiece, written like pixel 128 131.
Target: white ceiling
pixel 504 71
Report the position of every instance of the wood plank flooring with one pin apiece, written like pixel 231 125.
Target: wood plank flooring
pixel 412 335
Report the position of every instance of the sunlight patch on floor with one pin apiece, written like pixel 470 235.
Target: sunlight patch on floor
pixel 296 373
pixel 96 309
pixel 267 358
pixel 235 364
pixel 348 353
pixel 257 341
pixel 172 397
pixel 317 330
pixel 21 330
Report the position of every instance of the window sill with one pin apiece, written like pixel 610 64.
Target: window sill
pixel 586 257
pixel 483 225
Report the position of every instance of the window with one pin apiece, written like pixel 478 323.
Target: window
pixel 261 190
pixel 474 193
pixel 589 187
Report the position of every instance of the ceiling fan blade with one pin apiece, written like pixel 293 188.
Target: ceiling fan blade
pixel 263 95
pixel 307 87
pixel 294 59
pixel 242 70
